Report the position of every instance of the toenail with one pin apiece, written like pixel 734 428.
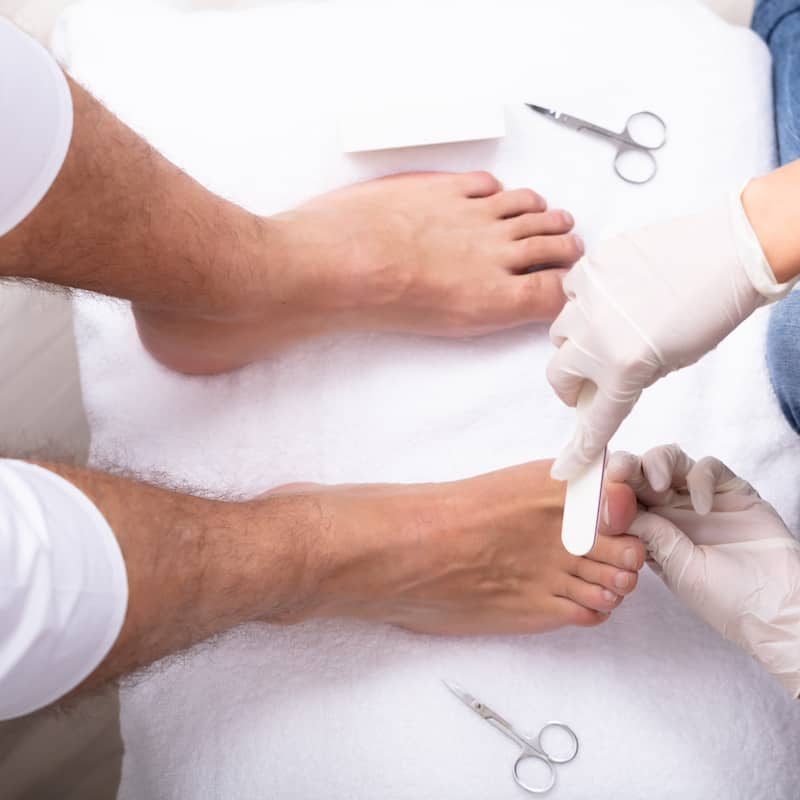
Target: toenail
pixel 630 559
pixel 579 243
pixel 622 580
pixel 568 218
pixel 608 596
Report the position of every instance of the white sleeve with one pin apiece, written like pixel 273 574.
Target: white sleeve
pixel 63 587
pixel 35 124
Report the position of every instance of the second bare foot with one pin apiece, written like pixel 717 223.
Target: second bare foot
pixel 430 253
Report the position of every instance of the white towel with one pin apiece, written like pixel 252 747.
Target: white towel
pixel 246 102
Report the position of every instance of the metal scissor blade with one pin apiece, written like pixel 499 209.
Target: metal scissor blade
pixel 481 709
pixel 548 112
pixel 486 714
pixel 578 124
pixel 462 694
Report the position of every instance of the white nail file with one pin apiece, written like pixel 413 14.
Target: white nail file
pixel 581 519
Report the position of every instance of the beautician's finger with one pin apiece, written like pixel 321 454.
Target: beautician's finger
pixel 667 545
pixel 708 477
pixel 575 279
pixel 565 374
pixel 666 467
pixel 570 323
pixel 594 430
pixel 625 467
pixel 601 420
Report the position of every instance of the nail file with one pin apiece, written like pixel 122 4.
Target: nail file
pixel 391 125
pixel 582 504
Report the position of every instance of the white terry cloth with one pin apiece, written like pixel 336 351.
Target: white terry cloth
pixel 244 101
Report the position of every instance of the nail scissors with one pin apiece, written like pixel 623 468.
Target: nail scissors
pixel 627 143
pixel 531 748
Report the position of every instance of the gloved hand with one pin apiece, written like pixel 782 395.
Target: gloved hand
pixel 645 303
pixel 722 550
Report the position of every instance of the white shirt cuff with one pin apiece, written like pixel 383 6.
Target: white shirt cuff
pixel 63 587
pixel 35 124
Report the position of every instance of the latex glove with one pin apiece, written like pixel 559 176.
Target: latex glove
pixel 645 303
pixel 722 550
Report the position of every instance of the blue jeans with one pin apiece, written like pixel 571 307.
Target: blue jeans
pixel 778 23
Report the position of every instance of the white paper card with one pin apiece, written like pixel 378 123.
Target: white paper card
pixel 380 127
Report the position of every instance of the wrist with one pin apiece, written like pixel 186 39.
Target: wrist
pixel 772 212
pixel 750 250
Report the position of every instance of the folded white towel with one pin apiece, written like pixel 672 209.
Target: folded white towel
pixel 247 101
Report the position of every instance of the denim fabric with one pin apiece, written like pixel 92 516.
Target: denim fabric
pixel 778 23
pixel 783 356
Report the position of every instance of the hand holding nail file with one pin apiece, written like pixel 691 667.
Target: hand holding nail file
pixel 645 303
pixel 584 493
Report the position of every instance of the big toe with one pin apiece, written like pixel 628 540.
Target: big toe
pixel 618 508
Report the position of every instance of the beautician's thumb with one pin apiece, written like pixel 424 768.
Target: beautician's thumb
pixel 575 457
pixel 596 425
pixel 668 546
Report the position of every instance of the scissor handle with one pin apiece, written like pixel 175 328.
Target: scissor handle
pixel 630 144
pixel 526 755
pixel 641 153
pixel 539 751
pixel 558 726
pixel 660 140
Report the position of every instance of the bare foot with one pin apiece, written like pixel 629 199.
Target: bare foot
pixel 478 556
pixel 432 253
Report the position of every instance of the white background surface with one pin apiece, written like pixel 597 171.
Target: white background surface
pixel 357 709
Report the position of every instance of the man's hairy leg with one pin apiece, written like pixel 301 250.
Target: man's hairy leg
pixel 214 287
pixel 481 555
pixel 123 221
pixel 196 567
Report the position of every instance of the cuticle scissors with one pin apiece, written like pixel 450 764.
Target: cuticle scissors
pixel 625 139
pixel 532 748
